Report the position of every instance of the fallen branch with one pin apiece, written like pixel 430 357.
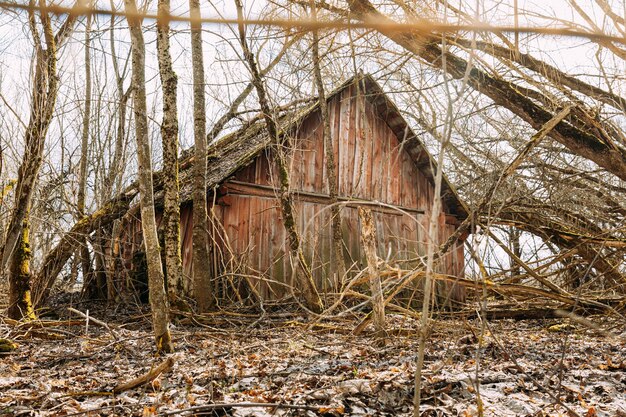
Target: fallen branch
pixel 95 321
pixel 529 313
pixel 151 375
pixel 318 408
pixel 56 259
pixel 507 289
pixel 43 323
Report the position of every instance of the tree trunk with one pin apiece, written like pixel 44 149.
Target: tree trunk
pixel 90 287
pixel 203 288
pixel 20 303
pixel 368 239
pixel 112 181
pixel 158 299
pixel 516 248
pixel 169 137
pixel 329 159
pixel 45 88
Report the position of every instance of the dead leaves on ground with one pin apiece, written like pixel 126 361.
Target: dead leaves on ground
pixel 523 368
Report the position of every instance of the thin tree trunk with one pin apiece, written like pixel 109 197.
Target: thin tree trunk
pixel 100 271
pixel 44 95
pixel 369 241
pixel 329 159
pixel 516 249
pixel 433 236
pixel 303 272
pixel 158 299
pixel 90 288
pixel 203 288
pixel 169 137
pixel 113 178
pixel 20 303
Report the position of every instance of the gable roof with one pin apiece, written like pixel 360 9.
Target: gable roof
pixel 238 149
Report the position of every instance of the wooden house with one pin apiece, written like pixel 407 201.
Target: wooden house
pixel 379 160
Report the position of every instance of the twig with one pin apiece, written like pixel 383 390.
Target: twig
pixel 95 321
pixel 165 366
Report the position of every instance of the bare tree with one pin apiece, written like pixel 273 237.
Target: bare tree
pixel 90 287
pixel 329 156
pixel 158 298
pixel 16 246
pixel 169 137
pixel 201 260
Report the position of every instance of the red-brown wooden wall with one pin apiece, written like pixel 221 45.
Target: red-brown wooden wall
pixel 371 165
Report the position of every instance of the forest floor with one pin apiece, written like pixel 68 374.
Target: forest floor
pixel 516 368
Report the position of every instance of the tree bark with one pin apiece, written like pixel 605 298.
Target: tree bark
pixel 158 299
pixel 329 159
pixel 203 288
pixel 369 242
pixel 169 137
pixel 20 302
pixel 90 287
pixel 112 181
pixel 45 88
pixel 303 272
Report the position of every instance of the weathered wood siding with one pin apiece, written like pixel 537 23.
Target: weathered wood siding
pixel 372 166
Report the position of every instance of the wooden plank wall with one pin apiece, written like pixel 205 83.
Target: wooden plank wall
pixel 371 165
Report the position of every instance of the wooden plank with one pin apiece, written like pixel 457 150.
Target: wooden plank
pixel 405 172
pixel 346 141
pixel 238 188
pixel 409 181
pixel 310 162
pixel 394 171
pixel 422 186
pixel 358 149
pixel 378 178
pixel 269 219
pixel 369 122
pixel 319 183
pixel 386 161
pixel 335 111
pixel 242 217
pixel 331 120
pixel 295 158
pixel 255 252
pixel 246 173
pixel 277 249
pixel 262 164
pixel 327 255
pixel 336 140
